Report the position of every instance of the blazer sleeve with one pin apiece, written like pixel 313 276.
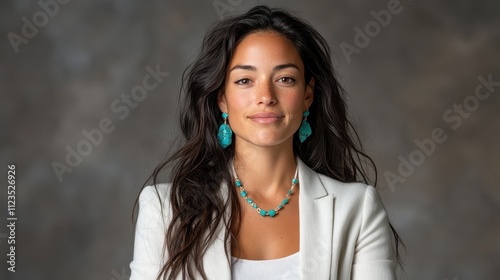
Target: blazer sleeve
pixel 375 256
pixel 149 237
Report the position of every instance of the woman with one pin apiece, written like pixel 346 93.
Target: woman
pixel 267 183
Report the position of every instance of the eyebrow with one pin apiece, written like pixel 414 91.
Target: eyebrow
pixel 276 68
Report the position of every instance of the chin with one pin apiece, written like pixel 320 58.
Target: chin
pixel 269 141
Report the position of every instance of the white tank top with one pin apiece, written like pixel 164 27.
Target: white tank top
pixel 275 269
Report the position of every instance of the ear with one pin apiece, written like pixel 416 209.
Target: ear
pixel 221 101
pixel 309 96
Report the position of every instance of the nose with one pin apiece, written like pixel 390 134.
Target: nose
pixel 265 94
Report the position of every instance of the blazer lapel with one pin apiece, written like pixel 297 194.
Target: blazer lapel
pixel 316 225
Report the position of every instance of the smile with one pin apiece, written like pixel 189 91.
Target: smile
pixel 266 118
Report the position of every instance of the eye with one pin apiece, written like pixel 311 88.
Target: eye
pixel 286 80
pixel 242 81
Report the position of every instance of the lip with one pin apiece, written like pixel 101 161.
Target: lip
pixel 266 118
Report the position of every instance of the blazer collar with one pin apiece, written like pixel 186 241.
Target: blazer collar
pixel 308 177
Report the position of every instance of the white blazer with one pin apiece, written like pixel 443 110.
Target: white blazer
pixel 344 233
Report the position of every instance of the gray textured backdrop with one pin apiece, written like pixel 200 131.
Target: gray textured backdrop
pixel 72 65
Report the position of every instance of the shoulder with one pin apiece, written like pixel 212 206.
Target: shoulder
pixel 355 199
pixel 346 194
pixel 155 200
pixel 355 203
pixel 149 192
pixel 334 185
pixel 152 223
pixel 354 191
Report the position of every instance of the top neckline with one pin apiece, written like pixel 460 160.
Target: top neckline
pixel 269 260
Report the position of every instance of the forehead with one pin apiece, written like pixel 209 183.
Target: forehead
pixel 266 48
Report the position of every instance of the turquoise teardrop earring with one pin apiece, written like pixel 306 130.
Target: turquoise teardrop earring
pixel 225 134
pixel 305 129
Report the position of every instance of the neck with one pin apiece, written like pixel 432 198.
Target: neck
pixel 265 171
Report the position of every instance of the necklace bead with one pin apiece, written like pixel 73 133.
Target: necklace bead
pixel 272 212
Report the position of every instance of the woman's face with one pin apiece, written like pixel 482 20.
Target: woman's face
pixel 265 94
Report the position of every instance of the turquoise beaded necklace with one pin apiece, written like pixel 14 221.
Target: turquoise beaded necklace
pixel 272 212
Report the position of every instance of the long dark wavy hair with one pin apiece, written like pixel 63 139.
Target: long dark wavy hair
pixel 199 168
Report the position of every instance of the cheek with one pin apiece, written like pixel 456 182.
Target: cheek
pixel 294 101
pixel 237 104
